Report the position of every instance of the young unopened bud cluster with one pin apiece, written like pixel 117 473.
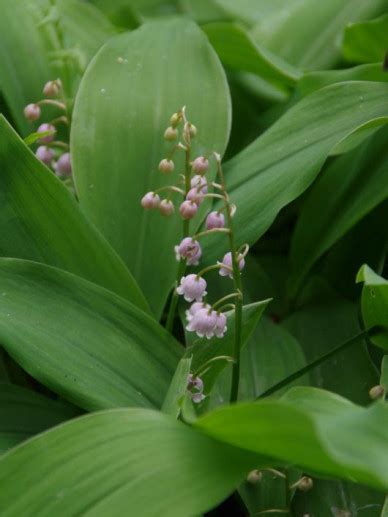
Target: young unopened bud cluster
pixel 195 387
pixel 49 151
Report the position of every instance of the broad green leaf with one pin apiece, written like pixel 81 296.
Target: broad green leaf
pixel 323 322
pixel 178 388
pixel 203 11
pixel 237 50
pixel 82 341
pixel 385 509
pixel 24 413
pixel 121 12
pixel 130 92
pixel 366 42
pixel 374 303
pixel 317 430
pixel 347 190
pixel 307 45
pixel 84 27
pixel 204 350
pixel 120 462
pixel 278 166
pixel 40 220
pixel 24 65
pixel 313 81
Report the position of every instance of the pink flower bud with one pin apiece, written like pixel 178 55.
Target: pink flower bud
pixel 195 196
pixel 44 154
pixel 170 134
pixel 192 130
pixel 32 112
pixel 52 88
pixel 175 119
pixel 227 261
pixel 166 166
pixel 63 166
pixel 203 323
pixel 194 308
pixel 215 220
pixel 46 127
pixel 190 250
pixel 192 288
pixel 188 209
pixel 150 200
pixel 195 386
pixel 166 207
pixel 200 165
pixel 199 182
pixel 220 328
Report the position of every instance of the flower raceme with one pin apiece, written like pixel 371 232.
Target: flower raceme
pixel 205 319
pixel 52 153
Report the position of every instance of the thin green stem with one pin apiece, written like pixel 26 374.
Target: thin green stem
pixel 296 375
pixel 186 232
pixel 224 298
pixel 238 288
pixel 209 232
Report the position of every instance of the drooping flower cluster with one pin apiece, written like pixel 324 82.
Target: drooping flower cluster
pixel 204 319
pixel 195 387
pixel 53 153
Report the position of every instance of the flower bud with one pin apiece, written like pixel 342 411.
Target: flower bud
pixel 52 88
pixel 199 182
pixel 304 484
pixel 166 166
pixel 195 195
pixel 192 130
pixel 166 207
pixel 44 154
pixel 215 220
pixel 174 120
pixel 200 165
pixel 63 166
pixel 150 200
pixel 48 138
pixel 377 392
pixel 188 209
pixel 32 112
pixel 228 263
pixel 254 476
pixel 170 134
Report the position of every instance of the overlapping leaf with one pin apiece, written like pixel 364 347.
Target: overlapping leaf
pixel 366 42
pixel 317 430
pixel 347 190
pixel 374 303
pixel 81 340
pixel 40 220
pixel 278 166
pixel 125 100
pixel 24 413
pixel 238 50
pixel 126 461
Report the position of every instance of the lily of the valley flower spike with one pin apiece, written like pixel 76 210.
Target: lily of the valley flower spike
pixel 206 319
pixel 53 153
